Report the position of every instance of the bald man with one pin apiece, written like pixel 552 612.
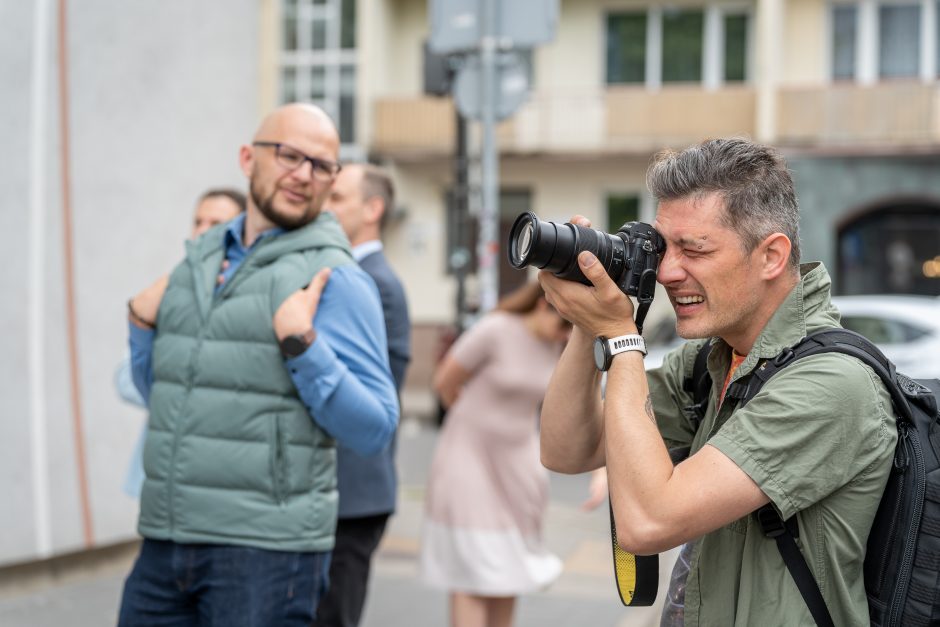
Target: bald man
pixel 258 352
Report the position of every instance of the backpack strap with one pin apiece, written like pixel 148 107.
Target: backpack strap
pixel 699 384
pixel 784 533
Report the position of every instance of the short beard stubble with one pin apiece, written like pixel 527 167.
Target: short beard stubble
pixel 266 207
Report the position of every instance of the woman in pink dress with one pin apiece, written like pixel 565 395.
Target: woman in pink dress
pixel 488 492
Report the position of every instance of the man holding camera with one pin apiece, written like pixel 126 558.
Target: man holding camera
pixel 261 347
pixel 816 442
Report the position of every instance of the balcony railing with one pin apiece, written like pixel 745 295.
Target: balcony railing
pixel 637 120
pixel 620 119
pixel 420 126
pixel 833 116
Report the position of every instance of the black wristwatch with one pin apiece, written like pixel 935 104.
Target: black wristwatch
pixel 606 348
pixel 294 345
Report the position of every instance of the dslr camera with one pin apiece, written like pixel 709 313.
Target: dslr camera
pixel 630 256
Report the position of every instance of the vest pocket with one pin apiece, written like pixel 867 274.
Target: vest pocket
pixel 279 461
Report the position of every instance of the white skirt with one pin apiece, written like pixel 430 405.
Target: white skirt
pixel 485 562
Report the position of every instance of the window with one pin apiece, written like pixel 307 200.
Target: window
pixel 318 59
pixel 882 330
pixel 622 208
pixel 735 48
pixel 844 33
pixel 626 48
pixel 883 39
pixel 668 45
pixel 899 40
pixel 682 46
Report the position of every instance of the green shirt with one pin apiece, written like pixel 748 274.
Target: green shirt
pixel 818 439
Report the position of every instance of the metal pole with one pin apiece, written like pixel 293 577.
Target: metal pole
pixel 489 215
pixel 461 256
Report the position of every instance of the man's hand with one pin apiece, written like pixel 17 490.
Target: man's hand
pixel 147 303
pixel 599 310
pixel 295 315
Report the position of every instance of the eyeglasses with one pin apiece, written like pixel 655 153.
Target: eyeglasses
pixel 292 159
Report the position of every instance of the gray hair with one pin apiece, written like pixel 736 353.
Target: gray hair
pixel 752 179
pixel 377 183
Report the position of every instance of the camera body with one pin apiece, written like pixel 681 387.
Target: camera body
pixel 630 256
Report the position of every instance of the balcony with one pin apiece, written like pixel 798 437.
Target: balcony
pixel 416 127
pixel 853 116
pixel 614 120
pixel 678 115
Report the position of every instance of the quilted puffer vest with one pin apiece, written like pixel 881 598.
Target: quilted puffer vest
pixel 232 455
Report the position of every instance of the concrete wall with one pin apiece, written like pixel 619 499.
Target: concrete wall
pixel 831 189
pixel 159 97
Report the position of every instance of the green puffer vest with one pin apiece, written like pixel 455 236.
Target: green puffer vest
pixel 232 455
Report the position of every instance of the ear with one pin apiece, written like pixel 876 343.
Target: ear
pixel 774 255
pixel 246 159
pixel 373 210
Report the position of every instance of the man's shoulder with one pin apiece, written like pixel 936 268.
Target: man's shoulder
pixel 385 277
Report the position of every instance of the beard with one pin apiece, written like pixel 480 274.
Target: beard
pixel 289 222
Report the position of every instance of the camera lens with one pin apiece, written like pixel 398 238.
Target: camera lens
pixel 555 247
pixel 630 257
pixel 525 241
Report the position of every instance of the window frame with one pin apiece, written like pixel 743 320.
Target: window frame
pixel 713 44
pixel 868 45
pixel 332 58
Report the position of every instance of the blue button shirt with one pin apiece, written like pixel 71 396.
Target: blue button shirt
pixel 344 377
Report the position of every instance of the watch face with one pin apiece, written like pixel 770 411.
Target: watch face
pixel 293 345
pixel 600 354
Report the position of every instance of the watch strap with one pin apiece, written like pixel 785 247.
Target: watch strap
pixel 624 343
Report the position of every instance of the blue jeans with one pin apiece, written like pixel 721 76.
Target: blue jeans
pixel 204 585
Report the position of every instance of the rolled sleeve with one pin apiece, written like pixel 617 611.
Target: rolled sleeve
pixel 344 378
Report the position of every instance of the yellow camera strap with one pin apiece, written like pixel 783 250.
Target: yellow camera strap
pixel 637 576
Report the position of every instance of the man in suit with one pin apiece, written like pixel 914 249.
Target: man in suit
pixel 361 198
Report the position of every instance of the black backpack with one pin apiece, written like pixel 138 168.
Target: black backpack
pixel 902 560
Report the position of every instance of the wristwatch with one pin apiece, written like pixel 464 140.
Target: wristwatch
pixel 606 348
pixel 294 345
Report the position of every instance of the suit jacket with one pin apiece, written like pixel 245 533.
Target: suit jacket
pixel 368 485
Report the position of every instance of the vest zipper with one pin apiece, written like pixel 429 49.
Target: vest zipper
pixel 184 407
pixel 279 462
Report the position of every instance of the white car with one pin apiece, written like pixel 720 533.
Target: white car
pixel 905 328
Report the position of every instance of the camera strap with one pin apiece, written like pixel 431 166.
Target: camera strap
pixel 637 576
pixel 644 296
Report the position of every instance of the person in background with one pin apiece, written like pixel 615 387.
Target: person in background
pixel 361 199
pixel 216 206
pixel 252 370
pixel 488 492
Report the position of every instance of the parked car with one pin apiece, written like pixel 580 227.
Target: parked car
pixel 905 328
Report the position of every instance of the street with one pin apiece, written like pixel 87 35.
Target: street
pixel 585 594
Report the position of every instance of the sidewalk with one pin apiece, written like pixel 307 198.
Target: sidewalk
pixel 584 595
